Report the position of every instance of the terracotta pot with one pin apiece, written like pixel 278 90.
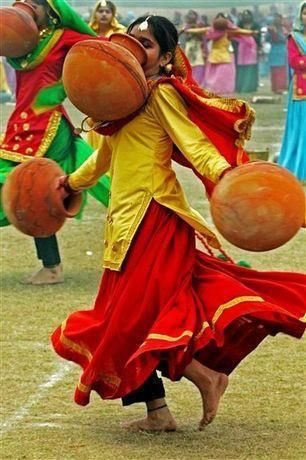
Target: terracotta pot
pixel 258 206
pixel 132 45
pixel 31 200
pixel 104 80
pixel 220 24
pixel 18 32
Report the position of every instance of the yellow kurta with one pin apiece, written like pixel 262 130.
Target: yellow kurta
pixel 220 53
pixel 139 159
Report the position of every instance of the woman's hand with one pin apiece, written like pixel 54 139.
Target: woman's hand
pixel 64 188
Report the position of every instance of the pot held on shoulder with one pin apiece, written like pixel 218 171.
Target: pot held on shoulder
pixel 258 206
pixel 104 79
pixel 18 32
pixel 33 201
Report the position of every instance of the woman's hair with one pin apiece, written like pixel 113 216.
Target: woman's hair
pixel 50 11
pixel 163 31
pixel 107 4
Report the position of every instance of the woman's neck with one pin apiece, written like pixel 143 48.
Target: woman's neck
pixel 104 28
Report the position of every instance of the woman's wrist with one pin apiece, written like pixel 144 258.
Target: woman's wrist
pixel 67 186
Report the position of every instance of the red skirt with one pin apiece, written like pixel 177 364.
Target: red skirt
pixel 171 303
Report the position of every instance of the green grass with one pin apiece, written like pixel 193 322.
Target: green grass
pixel 262 415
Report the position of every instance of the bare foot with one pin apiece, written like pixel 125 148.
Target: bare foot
pixel 46 275
pixel 211 385
pixel 211 398
pixel 159 420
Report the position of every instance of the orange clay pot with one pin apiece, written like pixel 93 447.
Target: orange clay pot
pixel 18 30
pixel 220 24
pixel 258 206
pixel 31 200
pixel 104 80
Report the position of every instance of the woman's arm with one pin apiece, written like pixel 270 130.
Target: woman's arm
pixel 171 112
pixel 92 169
pixel 196 30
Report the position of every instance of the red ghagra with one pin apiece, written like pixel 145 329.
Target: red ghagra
pixel 170 303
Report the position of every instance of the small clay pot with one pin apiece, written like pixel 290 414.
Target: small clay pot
pixel 18 32
pixel 32 200
pixel 258 206
pixel 220 24
pixel 132 45
pixel 104 80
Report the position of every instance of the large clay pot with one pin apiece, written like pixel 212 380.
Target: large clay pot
pixel 31 200
pixel 258 206
pixel 104 79
pixel 18 30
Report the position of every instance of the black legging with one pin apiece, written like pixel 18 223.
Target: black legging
pixel 47 251
pixel 153 388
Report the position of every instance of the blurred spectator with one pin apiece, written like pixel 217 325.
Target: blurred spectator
pixel 103 19
pixel 293 151
pixel 234 16
pixel 177 20
pixel 195 46
pixel 5 92
pixel 128 19
pixel 277 36
pixel 258 16
pixel 247 76
pixel 264 66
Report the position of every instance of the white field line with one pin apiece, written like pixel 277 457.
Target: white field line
pixel 10 423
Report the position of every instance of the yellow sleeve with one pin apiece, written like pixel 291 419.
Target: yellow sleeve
pixel 170 110
pixel 92 169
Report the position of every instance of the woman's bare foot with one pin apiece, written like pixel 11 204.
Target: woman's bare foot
pixel 157 420
pixel 211 385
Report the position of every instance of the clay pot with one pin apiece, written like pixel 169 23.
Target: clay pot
pixel 18 32
pixel 104 80
pixel 31 200
pixel 258 206
pixel 132 45
pixel 220 24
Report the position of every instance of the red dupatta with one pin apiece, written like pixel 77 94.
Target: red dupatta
pixel 225 121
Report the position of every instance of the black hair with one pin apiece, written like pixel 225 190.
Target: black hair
pixel 51 12
pixel 163 30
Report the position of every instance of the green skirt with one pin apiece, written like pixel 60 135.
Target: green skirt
pixel 69 151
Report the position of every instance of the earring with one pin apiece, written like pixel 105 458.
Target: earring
pixel 168 68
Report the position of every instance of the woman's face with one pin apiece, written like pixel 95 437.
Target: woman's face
pixel 303 16
pixel 154 59
pixel 104 15
pixel 41 11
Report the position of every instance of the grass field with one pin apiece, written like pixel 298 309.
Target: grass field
pixel 262 415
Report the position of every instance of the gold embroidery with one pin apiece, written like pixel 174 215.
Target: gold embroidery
pixel 30 137
pixel 16 146
pixel 56 36
pixel 83 388
pixel 78 348
pixel 29 150
pixel 167 338
pixel 233 303
pixel 205 325
pixel 26 126
pixel 50 133
pixel 303 318
pixel 17 138
pixel 24 115
pixel 15 127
